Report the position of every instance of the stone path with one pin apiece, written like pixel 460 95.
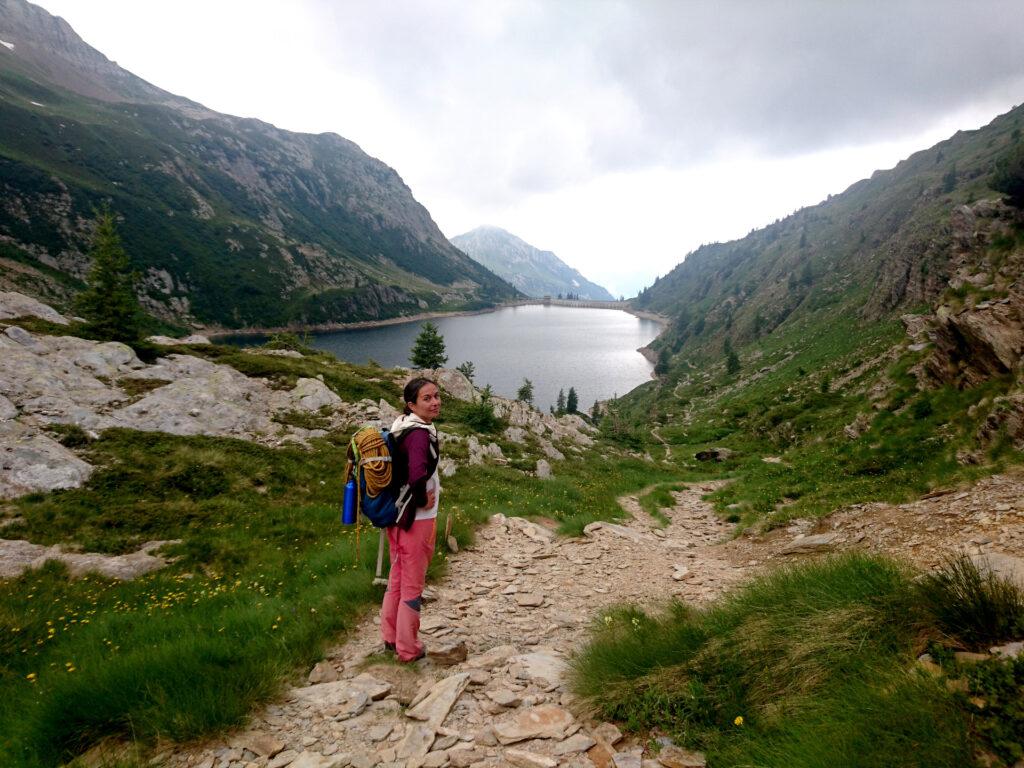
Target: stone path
pixel 504 623
pixel 501 627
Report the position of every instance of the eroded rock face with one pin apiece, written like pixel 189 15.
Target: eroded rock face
pixel 976 338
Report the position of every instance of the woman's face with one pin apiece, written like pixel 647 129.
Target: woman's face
pixel 428 403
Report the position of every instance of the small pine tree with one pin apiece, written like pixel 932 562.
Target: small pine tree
pixel 595 411
pixel 109 304
pixel 807 274
pixel 949 179
pixel 1008 176
pixel 467 369
pixel 572 401
pixel 428 350
pixel 732 360
pixel 560 402
pixel 664 358
pixel 525 392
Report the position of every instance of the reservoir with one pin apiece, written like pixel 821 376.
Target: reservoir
pixel 593 350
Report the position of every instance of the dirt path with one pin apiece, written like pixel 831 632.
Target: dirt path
pixel 519 601
pixel 515 606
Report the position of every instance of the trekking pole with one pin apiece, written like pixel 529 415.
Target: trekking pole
pixel 379 578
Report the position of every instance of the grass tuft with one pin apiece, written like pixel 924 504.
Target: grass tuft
pixel 973 605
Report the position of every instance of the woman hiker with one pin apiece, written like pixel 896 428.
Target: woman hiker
pixel 411 538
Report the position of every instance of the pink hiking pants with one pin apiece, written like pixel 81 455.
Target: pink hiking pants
pixel 400 614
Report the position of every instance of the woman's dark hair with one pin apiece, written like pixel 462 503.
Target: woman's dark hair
pixel 411 393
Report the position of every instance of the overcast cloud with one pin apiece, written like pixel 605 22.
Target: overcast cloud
pixel 621 135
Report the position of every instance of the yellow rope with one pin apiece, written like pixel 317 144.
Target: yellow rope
pixel 369 458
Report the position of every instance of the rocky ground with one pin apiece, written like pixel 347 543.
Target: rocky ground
pixel 504 622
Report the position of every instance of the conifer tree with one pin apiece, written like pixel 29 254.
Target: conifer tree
pixel 525 392
pixel 572 401
pixel 428 350
pixel 560 402
pixel 109 305
pixel 467 369
pixel 732 360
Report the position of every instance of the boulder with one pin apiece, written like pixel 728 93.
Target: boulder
pixel 551 452
pixel 672 756
pixel 578 742
pixel 312 395
pixel 540 667
pixel 1004 566
pixel 523 759
pixel 31 461
pixel 167 341
pixel 515 435
pixel 14 305
pixel 447 654
pixel 323 672
pixel 433 704
pixel 454 383
pixel 8 410
pixel 543 469
pixel 714 454
pixel 818 542
pixel 387 413
pixel 493 658
pixel 542 722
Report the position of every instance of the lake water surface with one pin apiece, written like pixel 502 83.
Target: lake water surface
pixel 593 350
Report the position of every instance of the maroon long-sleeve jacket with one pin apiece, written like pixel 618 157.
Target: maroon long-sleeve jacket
pixel 415 463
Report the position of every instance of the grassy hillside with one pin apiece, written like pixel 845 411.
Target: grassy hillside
pixel 787 348
pixel 230 222
pixel 882 246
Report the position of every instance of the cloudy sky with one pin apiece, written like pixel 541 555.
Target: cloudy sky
pixel 619 134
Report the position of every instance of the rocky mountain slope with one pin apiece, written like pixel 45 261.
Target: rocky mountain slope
pixel 230 221
pixel 868 348
pixel 887 244
pixel 535 272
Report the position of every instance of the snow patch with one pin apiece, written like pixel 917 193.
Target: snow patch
pixel 574 283
pixel 8 46
pixel 36 104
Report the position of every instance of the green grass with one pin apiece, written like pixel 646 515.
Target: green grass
pixel 976 609
pixel 658 498
pixel 263 578
pixel 580 491
pixel 817 659
pixel 909 446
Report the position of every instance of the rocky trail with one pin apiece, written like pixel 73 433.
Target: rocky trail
pixel 501 627
pixel 503 624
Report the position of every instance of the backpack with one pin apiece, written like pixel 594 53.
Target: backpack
pixel 381 494
pixel 370 465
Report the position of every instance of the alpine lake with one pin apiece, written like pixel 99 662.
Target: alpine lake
pixel 555 347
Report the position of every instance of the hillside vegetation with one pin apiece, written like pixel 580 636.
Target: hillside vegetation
pixel 231 222
pixel 875 341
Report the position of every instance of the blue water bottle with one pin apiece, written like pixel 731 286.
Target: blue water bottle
pixel 348 507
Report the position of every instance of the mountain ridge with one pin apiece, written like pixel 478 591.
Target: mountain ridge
pixel 230 221
pixel 535 272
